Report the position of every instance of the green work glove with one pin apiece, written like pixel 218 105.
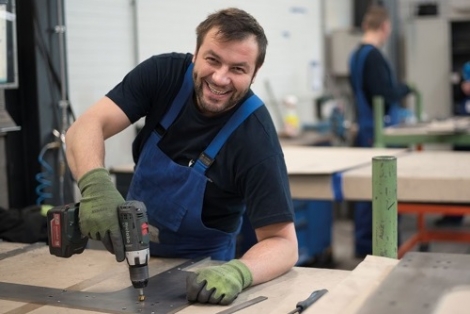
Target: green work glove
pixel 98 214
pixel 218 284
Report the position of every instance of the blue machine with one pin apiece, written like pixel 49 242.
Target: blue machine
pixel 313 225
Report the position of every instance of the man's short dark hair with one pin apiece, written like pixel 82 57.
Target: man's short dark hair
pixel 234 24
pixel 374 17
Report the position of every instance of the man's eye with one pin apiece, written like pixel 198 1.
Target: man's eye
pixel 211 60
pixel 239 70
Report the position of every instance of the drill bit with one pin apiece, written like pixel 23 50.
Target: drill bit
pixel 141 295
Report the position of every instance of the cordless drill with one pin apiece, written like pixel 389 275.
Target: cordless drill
pixel 66 239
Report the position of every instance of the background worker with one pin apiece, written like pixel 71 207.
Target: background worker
pixel 461 92
pixel 371 75
pixel 195 188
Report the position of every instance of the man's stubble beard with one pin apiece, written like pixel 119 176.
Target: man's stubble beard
pixel 208 108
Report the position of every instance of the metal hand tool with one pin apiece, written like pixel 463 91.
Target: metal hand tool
pixel 243 305
pixel 302 305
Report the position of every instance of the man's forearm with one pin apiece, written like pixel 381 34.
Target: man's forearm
pixel 85 138
pixel 84 149
pixel 271 257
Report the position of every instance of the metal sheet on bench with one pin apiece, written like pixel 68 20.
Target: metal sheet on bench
pixel 165 293
pixel 417 283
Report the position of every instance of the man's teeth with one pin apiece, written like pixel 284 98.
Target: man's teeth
pixel 216 91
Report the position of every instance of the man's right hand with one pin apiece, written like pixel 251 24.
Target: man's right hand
pixel 98 215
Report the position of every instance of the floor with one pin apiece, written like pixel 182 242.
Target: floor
pixel 343 238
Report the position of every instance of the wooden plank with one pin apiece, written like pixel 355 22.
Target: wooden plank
pixel 9 246
pixel 310 169
pixel 422 176
pixel 328 160
pixel 437 127
pixel 348 296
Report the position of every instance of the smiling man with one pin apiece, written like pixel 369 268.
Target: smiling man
pixel 208 152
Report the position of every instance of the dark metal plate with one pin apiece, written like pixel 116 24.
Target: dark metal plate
pixel 417 283
pixel 165 293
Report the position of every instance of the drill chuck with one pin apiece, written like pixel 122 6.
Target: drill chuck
pixel 139 276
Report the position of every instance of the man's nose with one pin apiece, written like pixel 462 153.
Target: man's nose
pixel 221 76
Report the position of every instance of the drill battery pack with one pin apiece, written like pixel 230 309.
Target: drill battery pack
pixel 65 237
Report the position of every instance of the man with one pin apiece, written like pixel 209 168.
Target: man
pixel 371 75
pixel 208 150
pixel 461 93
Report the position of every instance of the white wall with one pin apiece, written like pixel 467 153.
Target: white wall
pixel 101 48
pixel 338 15
pixel 99 53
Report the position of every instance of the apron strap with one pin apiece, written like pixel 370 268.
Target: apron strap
pixel 246 109
pixel 356 66
pixel 207 156
pixel 179 101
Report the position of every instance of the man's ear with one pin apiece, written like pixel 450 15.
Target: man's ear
pixel 254 76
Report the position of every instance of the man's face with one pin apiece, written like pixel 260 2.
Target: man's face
pixel 386 29
pixel 223 72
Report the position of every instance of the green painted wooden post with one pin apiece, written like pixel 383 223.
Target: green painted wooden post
pixel 419 106
pixel 384 206
pixel 378 105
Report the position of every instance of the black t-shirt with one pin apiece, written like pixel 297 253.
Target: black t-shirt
pixel 249 169
pixel 379 80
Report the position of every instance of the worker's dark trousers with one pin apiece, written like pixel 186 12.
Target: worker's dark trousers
pixel 363 228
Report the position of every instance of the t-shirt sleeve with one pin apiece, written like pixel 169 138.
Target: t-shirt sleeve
pixel 134 94
pixel 267 193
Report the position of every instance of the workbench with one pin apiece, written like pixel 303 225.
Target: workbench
pixel 428 182
pixel 96 271
pixel 311 169
pixel 420 283
pixel 316 172
pixel 453 130
pixel 436 182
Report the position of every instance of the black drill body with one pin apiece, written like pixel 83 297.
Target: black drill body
pixel 66 239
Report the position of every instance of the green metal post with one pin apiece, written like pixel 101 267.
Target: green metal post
pixel 384 206
pixel 378 105
pixel 419 106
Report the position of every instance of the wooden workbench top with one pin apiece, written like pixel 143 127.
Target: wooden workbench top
pixel 97 271
pixel 422 176
pixel 328 160
pixel 447 126
pixel 310 169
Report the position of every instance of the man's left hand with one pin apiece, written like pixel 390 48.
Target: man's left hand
pixel 218 284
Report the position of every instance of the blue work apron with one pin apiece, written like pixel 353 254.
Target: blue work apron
pixel 174 194
pixel 365 115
